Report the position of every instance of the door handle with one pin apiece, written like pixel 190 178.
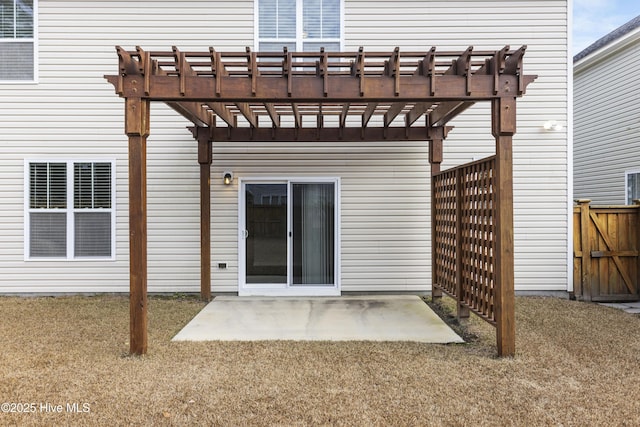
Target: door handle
pixel 245 234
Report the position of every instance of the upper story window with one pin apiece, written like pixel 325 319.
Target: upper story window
pixel 300 25
pixel 69 210
pixel 17 40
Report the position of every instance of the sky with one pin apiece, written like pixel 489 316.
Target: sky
pixel 593 19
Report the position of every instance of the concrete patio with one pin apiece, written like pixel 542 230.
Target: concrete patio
pixel 346 318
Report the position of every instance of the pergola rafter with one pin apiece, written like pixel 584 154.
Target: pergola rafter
pixel 321 96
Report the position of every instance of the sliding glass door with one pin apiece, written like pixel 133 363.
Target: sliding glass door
pixel 313 234
pixel 266 233
pixel 288 237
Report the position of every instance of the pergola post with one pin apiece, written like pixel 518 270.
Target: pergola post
pixel 503 113
pixel 137 129
pixel 435 159
pixel 205 157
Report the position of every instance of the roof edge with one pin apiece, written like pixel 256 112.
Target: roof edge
pixel 609 39
pixel 607 51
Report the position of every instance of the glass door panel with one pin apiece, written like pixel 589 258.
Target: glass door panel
pixel 266 233
pixel 313 220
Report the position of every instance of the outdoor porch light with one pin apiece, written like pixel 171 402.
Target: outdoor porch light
pixel 228 178
pixel 552 125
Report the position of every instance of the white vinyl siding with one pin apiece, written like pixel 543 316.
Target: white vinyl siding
pixel 384 206
pixel 607 125
pixel 74 113
pixel 540 157
pixel 18 35
pixel 385 224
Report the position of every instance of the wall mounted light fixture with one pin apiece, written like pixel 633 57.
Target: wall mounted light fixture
pixel 552 125
pixel 227 177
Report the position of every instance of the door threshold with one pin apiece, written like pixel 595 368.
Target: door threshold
pixel 289 292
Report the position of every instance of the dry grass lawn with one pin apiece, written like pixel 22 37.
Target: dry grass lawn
pixel 577 364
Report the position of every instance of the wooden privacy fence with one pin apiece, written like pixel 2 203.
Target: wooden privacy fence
pixel 464 237
pixel 606 240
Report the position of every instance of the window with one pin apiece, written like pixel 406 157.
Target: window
pixel 70 210
pixel 632 186
pixel 300 25
pixel 17 40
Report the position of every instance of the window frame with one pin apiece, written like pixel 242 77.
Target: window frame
pixel 33 40
pixel 69 210
pixel 627 200
pixel 299 39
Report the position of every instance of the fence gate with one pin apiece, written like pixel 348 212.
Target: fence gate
pixel 606 257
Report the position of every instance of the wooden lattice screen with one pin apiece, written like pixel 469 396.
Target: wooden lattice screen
pixel 464 240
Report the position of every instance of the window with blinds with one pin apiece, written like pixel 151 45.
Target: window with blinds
pixel 70 210
pixel 48 210
pixel 299 25
pixel 17 40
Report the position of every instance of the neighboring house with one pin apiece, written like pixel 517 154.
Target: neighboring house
pixel 63 180
pixel 606 119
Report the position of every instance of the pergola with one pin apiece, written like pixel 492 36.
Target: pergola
pixel 331 96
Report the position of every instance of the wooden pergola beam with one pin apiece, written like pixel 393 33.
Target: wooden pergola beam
pixel 296 115
pixel 245 109
pixel 192 111
pixel 223 112
pixel 273 114
pixel 368 112
pixel 416 112
pixel 339 90
pixel 393 112
pixel 243 134
pixel 343 114
pixel 446 111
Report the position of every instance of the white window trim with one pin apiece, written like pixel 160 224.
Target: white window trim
pixel 299 40
pixel 36 68
pixel 626 181
pixel 287 290
pixel 70 217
